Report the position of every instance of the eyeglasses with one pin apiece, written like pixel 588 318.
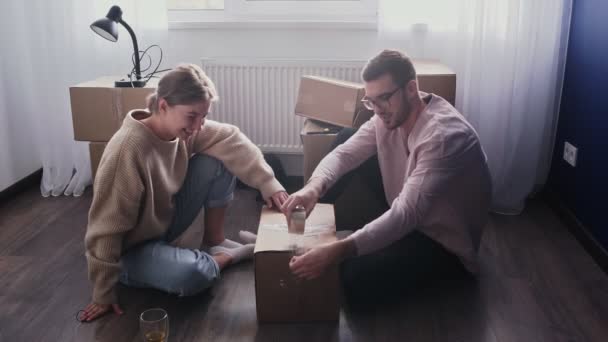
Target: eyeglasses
pixel 382 101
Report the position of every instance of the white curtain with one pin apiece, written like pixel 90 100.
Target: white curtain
pixel 509 59
pixel 47 46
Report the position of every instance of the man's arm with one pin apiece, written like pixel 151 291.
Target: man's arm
pixel 344 158
pixel 434 173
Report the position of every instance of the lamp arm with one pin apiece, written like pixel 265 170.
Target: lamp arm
pixel 135 47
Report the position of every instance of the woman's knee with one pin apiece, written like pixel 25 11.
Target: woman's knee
pixel 204 166
pixel 208 168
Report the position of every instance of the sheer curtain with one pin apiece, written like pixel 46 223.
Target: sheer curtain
pixel 509 59
pixel 50 48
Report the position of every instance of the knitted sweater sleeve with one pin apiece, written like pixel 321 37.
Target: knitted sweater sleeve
pixel 116 201
pixel 240 156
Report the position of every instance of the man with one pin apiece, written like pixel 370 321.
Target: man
pixel 436 183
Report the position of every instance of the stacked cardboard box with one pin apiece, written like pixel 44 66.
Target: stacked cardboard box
pixel 98 109
pixel 329 105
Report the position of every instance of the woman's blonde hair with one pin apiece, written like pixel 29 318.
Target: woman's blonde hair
pixel 184 85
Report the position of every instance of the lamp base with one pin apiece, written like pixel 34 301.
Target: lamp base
pixel 129 84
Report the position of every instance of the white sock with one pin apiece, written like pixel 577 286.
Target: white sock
pixel 230 244
pixel 247 237
pixel 227 243
pixel 245 252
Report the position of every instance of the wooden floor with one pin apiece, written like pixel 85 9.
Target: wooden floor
pixel 536 284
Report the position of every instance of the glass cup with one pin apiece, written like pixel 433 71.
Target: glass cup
pixel 154 325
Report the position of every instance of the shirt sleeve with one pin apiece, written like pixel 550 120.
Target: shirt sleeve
pixel 438 164
pixel 240 156
pixel 113 213
pixel 346 157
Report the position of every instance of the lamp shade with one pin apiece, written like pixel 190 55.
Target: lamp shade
pixel 106 28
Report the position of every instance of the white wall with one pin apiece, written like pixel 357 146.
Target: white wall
pixel 17 158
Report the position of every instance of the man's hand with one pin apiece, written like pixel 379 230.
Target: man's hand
pixel 317 260
pixel 306 197
pixel 95 310
pixel 278 198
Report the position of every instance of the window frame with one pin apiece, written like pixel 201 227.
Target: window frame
pixel 279 14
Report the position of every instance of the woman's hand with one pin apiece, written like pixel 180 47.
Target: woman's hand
pixel 316 261
pixel 278 198
pixel 95 310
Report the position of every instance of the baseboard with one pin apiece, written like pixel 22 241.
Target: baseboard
pixel 22 185
pixel 577 228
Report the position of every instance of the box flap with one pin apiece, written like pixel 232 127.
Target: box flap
pixel 273 236
pixel 312 127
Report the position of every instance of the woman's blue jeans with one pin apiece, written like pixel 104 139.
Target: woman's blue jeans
pixel 181 271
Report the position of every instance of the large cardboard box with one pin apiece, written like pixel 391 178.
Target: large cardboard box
pixel 332 101
pixel 98 108
pixel 280 296
pixel 95 152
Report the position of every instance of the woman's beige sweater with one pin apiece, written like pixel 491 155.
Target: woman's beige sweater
pixel 138 176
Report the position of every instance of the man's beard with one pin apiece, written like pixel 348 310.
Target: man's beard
pixel 402 116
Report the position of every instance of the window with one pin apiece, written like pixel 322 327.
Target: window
pixel 195 4
pixel 185 13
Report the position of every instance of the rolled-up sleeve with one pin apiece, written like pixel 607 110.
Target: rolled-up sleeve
pixel 346 157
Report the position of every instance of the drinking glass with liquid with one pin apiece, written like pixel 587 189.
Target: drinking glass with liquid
pixel 154 325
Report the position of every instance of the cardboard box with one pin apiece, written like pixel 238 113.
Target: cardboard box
pixel 98 108
pixel 95 152
pixel 280 296
pixel 332 101
pixel 317 138
pixel 436 78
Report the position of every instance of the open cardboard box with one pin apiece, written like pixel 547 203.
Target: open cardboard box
pixel 281 296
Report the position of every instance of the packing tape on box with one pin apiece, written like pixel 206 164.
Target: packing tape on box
pixel 313 229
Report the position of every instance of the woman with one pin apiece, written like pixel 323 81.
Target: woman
pixel 157 172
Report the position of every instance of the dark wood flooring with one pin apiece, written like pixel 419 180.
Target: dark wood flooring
pixel 536 284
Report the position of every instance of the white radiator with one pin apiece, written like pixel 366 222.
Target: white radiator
pixel 259 96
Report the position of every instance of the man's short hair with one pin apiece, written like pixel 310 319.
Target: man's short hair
pixel 391 62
